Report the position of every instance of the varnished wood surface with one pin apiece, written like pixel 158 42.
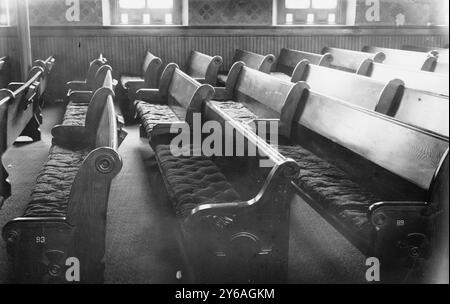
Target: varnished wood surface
pixel 350 60
pixel 420 80
pixel 415 157
pixel 288 59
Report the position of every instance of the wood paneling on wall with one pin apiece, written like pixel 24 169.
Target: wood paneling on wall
pixel 125 47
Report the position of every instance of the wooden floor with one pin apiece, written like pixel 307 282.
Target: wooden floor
pixel 141 236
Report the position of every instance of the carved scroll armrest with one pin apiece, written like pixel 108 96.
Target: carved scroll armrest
pixel 71 136
pixel 392 213
pixel 222 214
pixel 80 96
pixel 149 95
pixel 221 94
pixel 77 85
pixel 15 85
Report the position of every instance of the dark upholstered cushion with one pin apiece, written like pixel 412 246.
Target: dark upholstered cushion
pixel 193 181
pixel 236 110
pixel 124 79
pixel 75 114
pixel 332 188
pixel 51 193
pixel 152 114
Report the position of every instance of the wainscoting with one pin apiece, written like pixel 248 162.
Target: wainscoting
pixel 124 47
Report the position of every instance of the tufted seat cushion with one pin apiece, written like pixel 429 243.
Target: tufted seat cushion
pixel 152 114
pixel 75 114
pixel 333 189
pixel 236 110
pixel 125 79
pixel 193 181
pixel 51 193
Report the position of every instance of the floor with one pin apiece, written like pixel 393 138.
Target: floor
pixel 141 244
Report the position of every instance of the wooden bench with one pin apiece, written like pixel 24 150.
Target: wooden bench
pixel 419 80
pixel 288 60
pixel 89 82
pixel 362 91
pixel 19 116
pixel 441 53
pixel 408 59
pixel 351 61
pixel 422 109
pixel 47 65
pixel 4 72
pixel 66 216
pixel 252 60
pixel 83 96
pixel 204 68
pixel 177 99
pixel 251 95
pixel 233 213
pixel 130 83
pixel 388 213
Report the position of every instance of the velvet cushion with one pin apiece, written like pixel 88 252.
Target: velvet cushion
pixel 75 114
pixel 193 180
pixel 152 114
pixel 332 188
pixel 51 193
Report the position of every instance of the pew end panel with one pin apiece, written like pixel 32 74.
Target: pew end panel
pixel 204 68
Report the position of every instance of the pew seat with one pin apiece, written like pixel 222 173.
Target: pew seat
pixel 151 114
pixel 75 114
pixel 193 181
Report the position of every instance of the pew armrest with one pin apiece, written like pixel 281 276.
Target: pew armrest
pixel 72 136
pixel 13 86
pixel 77 85
pixel 80 96
pixel 221 94
pixel 149 95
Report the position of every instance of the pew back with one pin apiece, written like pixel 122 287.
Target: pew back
pixel 408 59
pixel 266 96
pixel 151 69
pixel 350 61
pixel 204 68
pixel 94 66
pixel 419 80
pixel 255 61
pixel 417 153
pixel 288 60
pixel 361 91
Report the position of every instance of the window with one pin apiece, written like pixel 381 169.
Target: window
pixel 139 12
pixel 4 12
pixel 311 12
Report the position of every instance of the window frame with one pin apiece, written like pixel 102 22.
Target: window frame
pixel 176 11
pixel 282 11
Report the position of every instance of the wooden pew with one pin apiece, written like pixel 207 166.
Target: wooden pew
pixel 422 109
pixel 441 53
pixel 177 99
pixel 130 83
pixel 252 60
pixel 351 61
pixel 419 80
pixel 362 91
pixel 234 221
pixel 250 95
pixel 382 212
pixel 66 216
pixel 4 72
pixel 408 59
pixel 288 60
pixel 47 65
pixel 335 144
pixel 19 116
pixel 204 68
pixel 83 96
pixel 88 83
